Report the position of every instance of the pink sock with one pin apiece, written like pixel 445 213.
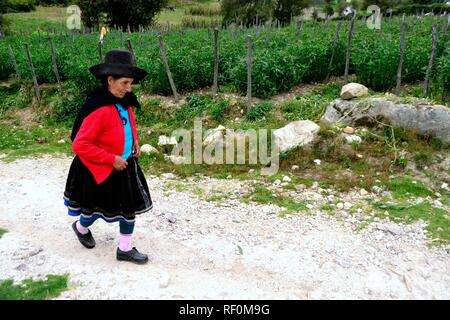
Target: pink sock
pixel 125 242
pixel 81 229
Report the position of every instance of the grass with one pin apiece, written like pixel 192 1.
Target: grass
pixel 2 232
pixel 43 18
pixel 265 196
pixel 406 187
pixel 34 290
pixel 438 222
pixel 176 16
pixel 18 143
pixel 312 105
pixel 54 17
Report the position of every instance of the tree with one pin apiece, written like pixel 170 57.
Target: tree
pixel 246 11
pixel 3 22
pixel 122 13
pixel 285 9
pixel 328 8
pixel 383 4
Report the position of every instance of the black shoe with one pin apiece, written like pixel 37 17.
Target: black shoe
pixel 133 256
pixel 87 239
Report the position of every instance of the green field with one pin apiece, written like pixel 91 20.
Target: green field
pixel 55 17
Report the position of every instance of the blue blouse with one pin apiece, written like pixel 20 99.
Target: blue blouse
pixel 128 143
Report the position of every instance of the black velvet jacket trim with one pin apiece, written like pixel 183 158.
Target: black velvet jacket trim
pixel 98 98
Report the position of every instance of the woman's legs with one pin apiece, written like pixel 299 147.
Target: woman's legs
pixel 84 223
pixel 125 251
pixel 126 231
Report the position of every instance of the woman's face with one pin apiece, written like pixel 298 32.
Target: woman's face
pixel 119 87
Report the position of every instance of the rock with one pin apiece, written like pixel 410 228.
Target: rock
pixel 177 159
pixel 164 280
pixel 343 262
pixel 310 206
pixel 432 120
pixel 349 130
pixel 62 141
pixel 147 149
pixel 276 183
pixel 21 267
pixel 392 228
pixel 286 179
pixel 168 175
pixel 359 156
pixel 296 134
pixel 347 205
pixel 340 206
pixel 386 194
pixel 437 204
pixel 214 136
pixel 445 186
pixel 353 90
pixel 317 161
pixel 171 217
pixel 251 170
pixel 363 192
pixel 350 139
pixel 295 168
pixel 376 189
pixel 164 140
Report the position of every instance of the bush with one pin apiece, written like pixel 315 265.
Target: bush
pixel 258 111
pixel 122 13
pixel 20 5
pixel 53 2
pixel 436 8
pixel 6 66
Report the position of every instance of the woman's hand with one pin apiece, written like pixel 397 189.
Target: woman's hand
pixel 136 150
pixel 119 163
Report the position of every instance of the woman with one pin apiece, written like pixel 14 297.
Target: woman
pixel 105 180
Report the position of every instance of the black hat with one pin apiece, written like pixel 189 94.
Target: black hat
pixel 118 63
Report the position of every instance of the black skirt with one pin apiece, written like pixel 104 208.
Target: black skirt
pixel 122 196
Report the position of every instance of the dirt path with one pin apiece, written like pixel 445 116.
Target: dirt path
pixel 210 250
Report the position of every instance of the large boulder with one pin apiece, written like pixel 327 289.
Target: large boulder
pixel 353 90
pixel 425 119
pixel 213 136
pixel 164 141
pixel 147 149
pixel 296 134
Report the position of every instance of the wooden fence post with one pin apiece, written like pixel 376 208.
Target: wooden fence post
pixel 55 65
pixel 33 74
pixel 430 62
pixel 100 56
pixel 402 53
pixel 216 61
pixel 130 48
pixel 299 27
pixel 249 72
pixel 166 66
pixel 336 37
pixel 446 24
pixel 13 59
pixel 349 43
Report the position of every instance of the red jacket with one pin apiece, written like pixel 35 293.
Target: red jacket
pixel 100 138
